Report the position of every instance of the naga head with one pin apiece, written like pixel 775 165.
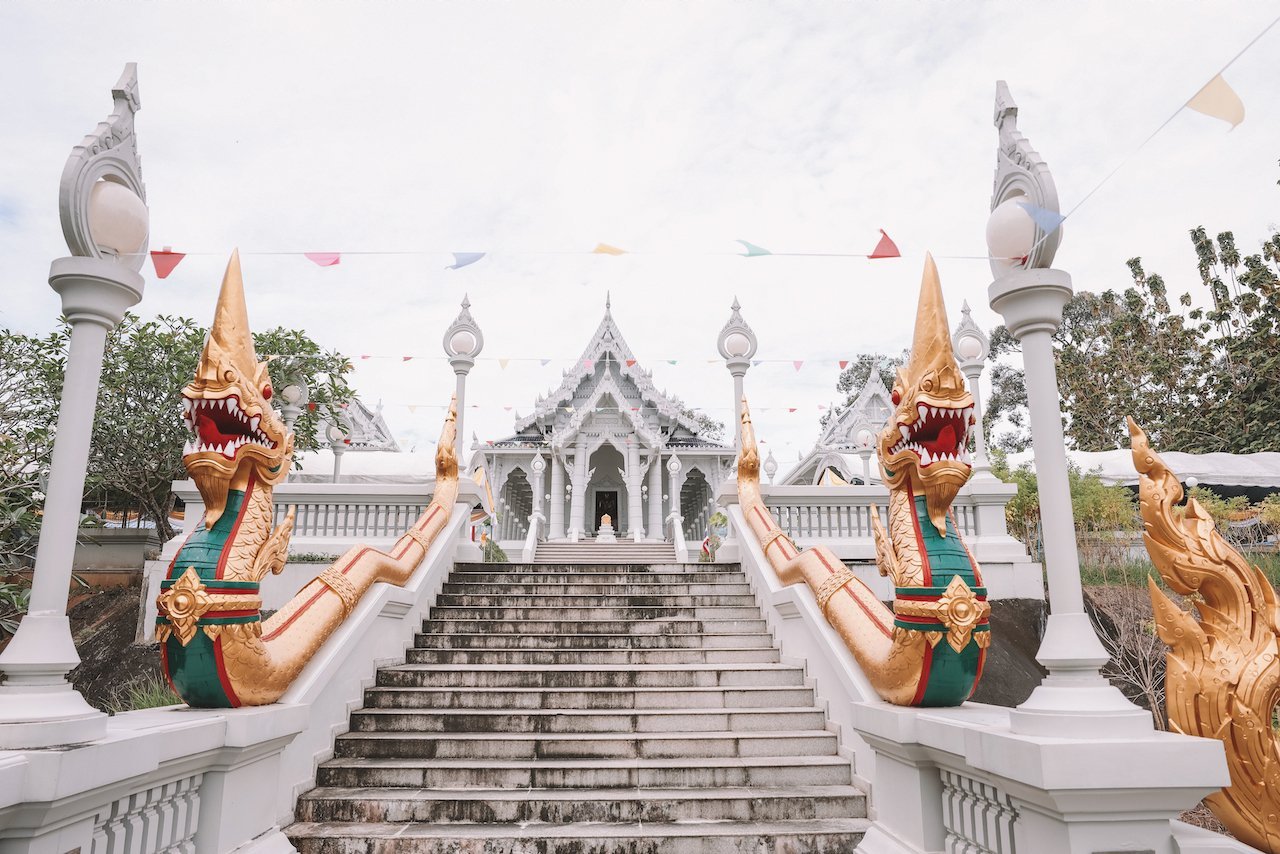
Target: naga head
pixel 927 438
pixel 235 433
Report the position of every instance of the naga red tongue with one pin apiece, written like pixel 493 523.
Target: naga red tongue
pixel 944 442
pixel 209 432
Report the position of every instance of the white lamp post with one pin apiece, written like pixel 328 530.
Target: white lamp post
pixel 737 344
pixel 462 344
pixel 293 397
pixel 1074 700
pixel 971 347
pixel 106 223
pixel 770 466
pixel 338 436
pixel 866 448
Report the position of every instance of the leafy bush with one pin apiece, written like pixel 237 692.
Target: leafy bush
pixel 493 552
pixel 14 597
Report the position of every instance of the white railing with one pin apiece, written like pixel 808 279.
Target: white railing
pixel 331 517
pixel 531 538
pixel 212 781
pixel 675 525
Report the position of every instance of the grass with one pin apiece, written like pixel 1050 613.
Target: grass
pixel 312 557
pixel 1133 573
pixel 148 692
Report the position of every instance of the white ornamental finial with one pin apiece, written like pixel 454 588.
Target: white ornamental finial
pixel 1022 172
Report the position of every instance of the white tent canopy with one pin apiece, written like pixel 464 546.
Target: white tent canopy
pixel 1115 468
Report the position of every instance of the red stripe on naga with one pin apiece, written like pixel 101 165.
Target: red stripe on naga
pixel 924 553
pixel 231 537
pixel 982 659
pixel 222 674
pixel 873 616
pixel 924 678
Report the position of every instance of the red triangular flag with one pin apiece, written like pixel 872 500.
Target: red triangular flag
pixel 324 259
pixel 844 363
pixel 791 409
pixel 165 261
pixel 886 248
pixel 631 363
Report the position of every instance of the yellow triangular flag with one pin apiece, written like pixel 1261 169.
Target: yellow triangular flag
pixel 413 407
pixel 502 363
pixel 606 249
pixel 1218 100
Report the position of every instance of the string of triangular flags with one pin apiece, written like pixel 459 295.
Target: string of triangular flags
pixel 1215 99
pixel 589 364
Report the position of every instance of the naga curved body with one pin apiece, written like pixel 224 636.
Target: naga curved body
pixel 216 649
pixel 930 649
pixel 1222 673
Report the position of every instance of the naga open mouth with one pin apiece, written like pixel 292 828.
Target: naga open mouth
pixel 939 434
pixel 219 425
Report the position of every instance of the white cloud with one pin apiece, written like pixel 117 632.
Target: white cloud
pixel 667 128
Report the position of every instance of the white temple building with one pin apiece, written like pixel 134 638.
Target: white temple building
pixel 845 452
pixel 605 442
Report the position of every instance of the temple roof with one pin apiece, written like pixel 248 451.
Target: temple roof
pixel 606 384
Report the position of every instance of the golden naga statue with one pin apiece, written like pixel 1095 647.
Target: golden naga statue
pixel 929 650
pixel 214 645
pixel 1222 674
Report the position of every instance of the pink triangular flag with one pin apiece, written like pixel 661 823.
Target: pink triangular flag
pixel 405 358
pixel 588 364
pixel 799 363
pixel 791 409
pixel 324 259
pixel 165 261
pixel 844 363
pixel 886 248
pixel 366 356
pixel 508 408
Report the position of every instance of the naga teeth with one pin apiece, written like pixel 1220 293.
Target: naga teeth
pixel 906 433
pixel 253 423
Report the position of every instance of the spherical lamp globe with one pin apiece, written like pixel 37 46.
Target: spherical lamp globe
pixel 737 345
pixel 463 342
pixel 969 348
pixel 118 220
pixel 1011 233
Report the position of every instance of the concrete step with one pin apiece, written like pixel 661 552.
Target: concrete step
pixel 576 676
pixel 552 657
pixel 525 610
pixel 686 640
pixel 567 806
pixel 828 836
pixel 629 588
pixel 588 698
pixel 756 771
pixel 592 627
pixel 549 745
pixel 585 720
pixel 511 574
pixel 548 601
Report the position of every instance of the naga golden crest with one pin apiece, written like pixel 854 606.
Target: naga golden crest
pixel 235 432
pixel 1222 673
pixel 926 442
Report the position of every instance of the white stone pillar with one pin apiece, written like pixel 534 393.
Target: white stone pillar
pixel 635 509
pixel 577 507
pixel 38 706
pixel 981 465
pixel 655 496
pixel 556 510
pixel 1074 700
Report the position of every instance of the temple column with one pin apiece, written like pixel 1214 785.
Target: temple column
pixel 577 507
pixel 635 512
pixel 655 495
pixel 556 510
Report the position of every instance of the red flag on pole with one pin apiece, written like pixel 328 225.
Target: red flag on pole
pixel 165 261
pixel 886 248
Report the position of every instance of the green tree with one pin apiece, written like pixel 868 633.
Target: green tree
pixel 1196 379
pixel 138 434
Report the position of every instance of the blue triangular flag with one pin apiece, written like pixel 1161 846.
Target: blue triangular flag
pixel 753 250
pixel 1047 220
pixel 462 259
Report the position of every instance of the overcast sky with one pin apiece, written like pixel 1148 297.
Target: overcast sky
pixel 671 129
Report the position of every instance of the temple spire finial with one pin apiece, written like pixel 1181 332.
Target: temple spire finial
pixel 607 301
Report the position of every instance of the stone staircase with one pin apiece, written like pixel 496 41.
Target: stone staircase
pixel 587 709
pixel 590 552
